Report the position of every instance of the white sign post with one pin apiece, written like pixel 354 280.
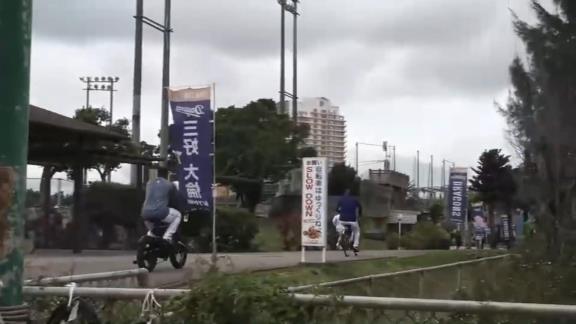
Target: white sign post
pixel 314 204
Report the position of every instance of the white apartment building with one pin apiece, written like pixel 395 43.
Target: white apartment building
pixel 327 128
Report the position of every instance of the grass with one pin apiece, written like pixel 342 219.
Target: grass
pixel 307 274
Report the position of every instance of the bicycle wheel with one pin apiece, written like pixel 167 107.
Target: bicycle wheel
pixel 86 313
pixel 144 258
pixel 344 243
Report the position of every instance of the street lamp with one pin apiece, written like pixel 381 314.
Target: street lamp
pixel 293 9
pixel 101 84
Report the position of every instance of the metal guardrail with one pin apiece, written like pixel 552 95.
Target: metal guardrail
pixel 392 274
pixel 385 303
pixel 89 277
pixel 444 306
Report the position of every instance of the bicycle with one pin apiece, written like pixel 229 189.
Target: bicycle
pixel 151 248
pixel 345 240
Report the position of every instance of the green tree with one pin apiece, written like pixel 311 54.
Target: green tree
pixel 436 212
pixel 494 182
pixel 541 116
pixel 342 178
pixel 253 144
pixel 94 116
pixel 101 117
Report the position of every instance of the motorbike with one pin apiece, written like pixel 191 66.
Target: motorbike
pixel 152 248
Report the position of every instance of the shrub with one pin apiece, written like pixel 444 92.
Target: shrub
pixel 286 210
pixel 236 299
pixel 392 241
pixel 426 236
pixel 107 205
pixel 235 227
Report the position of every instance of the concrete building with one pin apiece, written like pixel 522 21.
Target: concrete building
pixel 327 128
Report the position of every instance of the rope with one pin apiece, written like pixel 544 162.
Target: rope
pixel 72 286
pixel 149 305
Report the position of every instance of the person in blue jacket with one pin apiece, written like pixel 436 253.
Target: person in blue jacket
pixel 350 211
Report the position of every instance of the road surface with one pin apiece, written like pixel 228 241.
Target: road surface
pixel 60 263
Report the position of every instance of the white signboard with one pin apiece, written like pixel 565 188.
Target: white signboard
pixel 314 201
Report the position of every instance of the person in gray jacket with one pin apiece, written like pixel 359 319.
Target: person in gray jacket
pixel 162 204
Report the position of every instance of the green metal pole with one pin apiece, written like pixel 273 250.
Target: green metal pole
pixel 15 26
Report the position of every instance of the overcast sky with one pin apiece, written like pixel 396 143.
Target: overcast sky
pixel 421 74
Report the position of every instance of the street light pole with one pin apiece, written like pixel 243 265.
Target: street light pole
pixel 295 63
pixel 165 84
pixel 15 32
pixel 282 56
pixel 136 170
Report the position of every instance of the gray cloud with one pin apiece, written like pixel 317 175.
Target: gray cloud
pixel 400 70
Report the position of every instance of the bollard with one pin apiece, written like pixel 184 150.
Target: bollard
pixel 421 284
pixel 458 278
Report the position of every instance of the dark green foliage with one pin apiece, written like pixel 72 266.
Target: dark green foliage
pixel 101 117
pixel 222 299
pixel 426 236
pixel 494 182
pixel 436 212
pixel 342 178
pixel 392 240
pixel 236 229
pixel 107 205
pixel 541 116
pixel 286 211
pixel 256 143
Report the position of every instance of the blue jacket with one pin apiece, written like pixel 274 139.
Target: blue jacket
pixel 349 209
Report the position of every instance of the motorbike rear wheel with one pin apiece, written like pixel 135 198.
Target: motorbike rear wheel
pixel 178 258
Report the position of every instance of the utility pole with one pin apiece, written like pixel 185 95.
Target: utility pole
pixel 282 56
pixel 295 64
pixel 15 32
pixel 136 170
pixel 432 195
pixel 394 157
pixel 357 171
pixel 418 172
pixel 165 84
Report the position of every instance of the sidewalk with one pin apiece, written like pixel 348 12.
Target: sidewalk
pixel 58 263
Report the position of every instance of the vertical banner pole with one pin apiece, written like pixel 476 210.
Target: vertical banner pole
pixel 314 204
pixel 214 242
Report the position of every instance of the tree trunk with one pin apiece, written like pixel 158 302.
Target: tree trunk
pixel 46 204
pixel 77 219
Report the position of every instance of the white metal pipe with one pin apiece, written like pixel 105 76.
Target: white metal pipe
pixel 413 304
pixel 98 276
pixel 101 292
pixel 392 274
pixel 439 305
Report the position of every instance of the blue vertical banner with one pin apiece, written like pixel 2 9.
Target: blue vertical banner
pixel 458 195
pixel 191 140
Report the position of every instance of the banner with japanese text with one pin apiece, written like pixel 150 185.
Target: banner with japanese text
pixel 457 195
pixel 314 201
pixel 191 140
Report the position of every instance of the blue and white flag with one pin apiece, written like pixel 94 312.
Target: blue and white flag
pixel 191 140
pixel 457 195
